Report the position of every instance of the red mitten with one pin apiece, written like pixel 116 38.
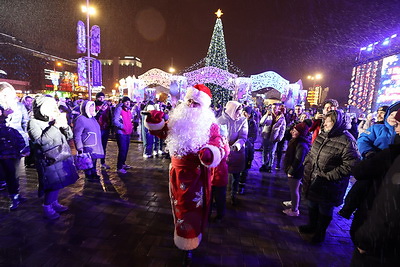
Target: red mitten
pixel 155 116
pixel 206 156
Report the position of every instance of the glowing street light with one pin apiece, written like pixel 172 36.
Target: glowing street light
pixel 171 70
pixel 92 10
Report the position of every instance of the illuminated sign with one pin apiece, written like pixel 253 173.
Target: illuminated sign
pixel 389 86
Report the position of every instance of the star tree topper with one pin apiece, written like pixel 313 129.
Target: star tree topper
pixel 219 13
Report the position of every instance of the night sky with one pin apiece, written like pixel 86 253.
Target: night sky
pixel 291 37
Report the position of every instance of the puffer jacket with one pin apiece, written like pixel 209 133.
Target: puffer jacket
pixel 87 134
pixel 327 167
pixel 273 131
pixel 46 135
pixel 378 136
pixel 296 152
pixel 237 136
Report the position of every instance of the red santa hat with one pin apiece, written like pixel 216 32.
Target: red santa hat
pixel 200 94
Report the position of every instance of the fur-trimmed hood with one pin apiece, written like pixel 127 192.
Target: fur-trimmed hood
pixel 85 108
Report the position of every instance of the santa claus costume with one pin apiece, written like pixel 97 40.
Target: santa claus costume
pixel 194 143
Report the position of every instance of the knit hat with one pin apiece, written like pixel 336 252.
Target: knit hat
pixel 302 128
pixel 199 93
pixel 397 116
pixel 393 108
pixel 248 110
pixel 125 98
pixel 383 108
pixel 100 94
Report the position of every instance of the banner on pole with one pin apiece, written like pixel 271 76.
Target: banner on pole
pixel 82 74
pixel 95 40
pixel 81 37
pixel 96 73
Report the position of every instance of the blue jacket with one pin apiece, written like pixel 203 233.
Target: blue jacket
pixel 377 137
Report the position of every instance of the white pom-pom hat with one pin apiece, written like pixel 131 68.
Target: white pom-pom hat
pixel 200 94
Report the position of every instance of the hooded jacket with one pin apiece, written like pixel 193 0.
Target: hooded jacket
pixel 378 136
pixel 274 131
pixel 45 135
pixel 327 167
pixel 87 135
pixel 237 136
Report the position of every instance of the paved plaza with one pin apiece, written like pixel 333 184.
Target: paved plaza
pixel 126 220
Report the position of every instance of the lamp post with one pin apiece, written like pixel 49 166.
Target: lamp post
pixel 88 10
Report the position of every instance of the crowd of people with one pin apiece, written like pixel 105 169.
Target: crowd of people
pixel 318 149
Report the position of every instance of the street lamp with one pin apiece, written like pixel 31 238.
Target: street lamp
pixel 314 78
pixel 171 70
pixel 89 11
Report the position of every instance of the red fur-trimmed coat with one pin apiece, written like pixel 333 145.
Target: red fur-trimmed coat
pixel 190 185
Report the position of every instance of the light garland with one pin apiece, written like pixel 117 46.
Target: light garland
pixel 211 75
pixel 156 76
pixel 268 79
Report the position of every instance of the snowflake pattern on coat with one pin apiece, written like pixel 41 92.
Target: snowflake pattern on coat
pixel 199 198
pixel 182 186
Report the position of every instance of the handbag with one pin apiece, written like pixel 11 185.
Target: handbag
pixel 56 154
pixel 83 161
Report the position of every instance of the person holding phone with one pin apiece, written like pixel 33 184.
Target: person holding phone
pixel 316 127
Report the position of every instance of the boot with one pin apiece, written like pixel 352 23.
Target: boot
pixel 57 207
pixel 16 199
pixel 187 258
pixel 312 222
pixel 14 202
pixel 50 213
pixel 323 223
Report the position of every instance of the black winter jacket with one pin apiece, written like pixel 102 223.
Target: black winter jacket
pixel 372 226
pixel 379 235
pixel 296 152
pixel 327 167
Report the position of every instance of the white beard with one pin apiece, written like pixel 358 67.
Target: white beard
pixel 188 129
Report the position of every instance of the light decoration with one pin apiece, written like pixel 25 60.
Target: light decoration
pixel 374 48
pixel 216 55
pixel 268 79
pixel 294 94
pixel 135 88
pixel 389 86
pixel 156 76
pixel 242 89
pixel 211 75
pixel 363 84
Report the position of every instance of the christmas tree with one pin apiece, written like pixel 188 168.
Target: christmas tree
pixel 216 57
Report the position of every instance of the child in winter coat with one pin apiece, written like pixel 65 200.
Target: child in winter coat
pixel 219 180
pixel 296 152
